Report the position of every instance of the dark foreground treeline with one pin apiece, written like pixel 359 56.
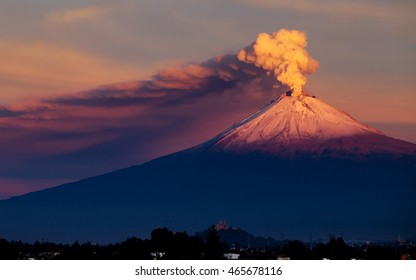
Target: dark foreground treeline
pixel 164 244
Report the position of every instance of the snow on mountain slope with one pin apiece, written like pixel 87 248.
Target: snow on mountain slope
pixel 304 124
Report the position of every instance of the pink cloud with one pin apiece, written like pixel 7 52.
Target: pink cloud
pixel 188 77
pixel 118 125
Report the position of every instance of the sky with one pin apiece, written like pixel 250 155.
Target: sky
pixel 87 87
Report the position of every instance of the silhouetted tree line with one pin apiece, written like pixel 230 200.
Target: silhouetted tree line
pixel 165 244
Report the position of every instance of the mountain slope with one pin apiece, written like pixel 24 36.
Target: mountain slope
pixel 290 126
pixel 298 166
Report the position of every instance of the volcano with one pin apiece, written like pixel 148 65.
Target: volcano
pixel 306 126
pixel 296 167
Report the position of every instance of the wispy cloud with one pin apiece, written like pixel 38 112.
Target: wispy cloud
pixel 174 85
pixel 76 14
pixel 32 68
pixel 125 123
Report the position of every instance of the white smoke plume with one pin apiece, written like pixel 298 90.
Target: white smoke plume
pixel 284 53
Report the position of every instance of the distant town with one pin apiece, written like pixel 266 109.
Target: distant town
pixel 217 242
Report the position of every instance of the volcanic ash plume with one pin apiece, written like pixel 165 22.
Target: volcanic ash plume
pixel 284 53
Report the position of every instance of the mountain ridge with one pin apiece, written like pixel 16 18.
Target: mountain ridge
pixel 304 124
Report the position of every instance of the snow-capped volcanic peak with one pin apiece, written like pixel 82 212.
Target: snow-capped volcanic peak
pixel 293 124
pixel 298 117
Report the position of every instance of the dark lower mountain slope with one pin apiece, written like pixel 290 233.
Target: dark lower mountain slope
pixel 365 199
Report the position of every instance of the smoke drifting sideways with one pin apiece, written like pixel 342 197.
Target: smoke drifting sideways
pixel 117 125
pixel 284 53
